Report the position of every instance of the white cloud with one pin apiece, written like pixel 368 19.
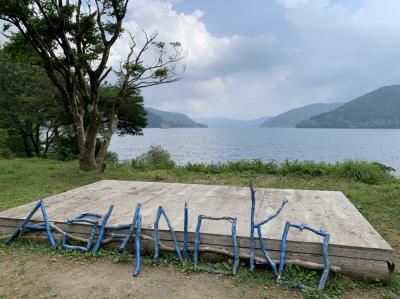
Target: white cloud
pixel 339 54
pixel 292 3
pixel 350 51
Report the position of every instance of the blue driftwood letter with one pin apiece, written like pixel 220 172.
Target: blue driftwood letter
pixel 161 212
pixel 82 218
pixel 325 253
pixel 258 226
pixel 232 220
pixel 26 226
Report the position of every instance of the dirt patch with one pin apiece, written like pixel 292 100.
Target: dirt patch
pixel 40 276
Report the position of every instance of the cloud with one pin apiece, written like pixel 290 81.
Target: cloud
pixel 339 53
pixel 350 51
pixel 292 3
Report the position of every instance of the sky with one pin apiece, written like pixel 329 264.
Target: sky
pixel 247 59
pixel 254 58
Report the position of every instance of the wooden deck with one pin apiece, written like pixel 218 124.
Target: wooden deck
pixel 355 246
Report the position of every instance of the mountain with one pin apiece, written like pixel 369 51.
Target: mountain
pixel 292 117
pixel 224 122
pixel 377 109
pixel 164 119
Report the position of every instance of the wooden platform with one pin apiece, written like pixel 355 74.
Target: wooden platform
pixel 355 246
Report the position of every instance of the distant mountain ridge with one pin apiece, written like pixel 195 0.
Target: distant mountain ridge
pixel 291 118
pixel 224 122
pixel 164 119
pixel 377 109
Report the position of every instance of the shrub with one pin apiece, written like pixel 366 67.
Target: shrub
pixel 156 157
pixel 6 153
pixel 112 158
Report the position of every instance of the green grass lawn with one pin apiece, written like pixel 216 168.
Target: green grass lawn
pixel 26 180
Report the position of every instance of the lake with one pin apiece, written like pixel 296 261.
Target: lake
pixel 206 145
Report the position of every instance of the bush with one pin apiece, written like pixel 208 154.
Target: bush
pixel 112 158
pixel 156 158
pixel 6 153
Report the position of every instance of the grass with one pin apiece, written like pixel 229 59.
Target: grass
pixel 371 189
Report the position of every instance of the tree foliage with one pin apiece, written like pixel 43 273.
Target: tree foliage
pixel 131 113
pixel 30 111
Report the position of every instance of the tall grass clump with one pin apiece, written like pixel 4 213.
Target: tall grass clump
pixel 305 168
pixel 112 158
pixel 362 171
pixel 233 166
pixel 155 158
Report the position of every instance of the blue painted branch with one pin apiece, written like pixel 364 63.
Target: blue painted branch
pixel 172 233
pixel 91 237
pixel 137 246
pixel 47 224
pixel 35 227
pixel 269 218
pixel 102 230
pixel 283 249
pixel 265 252
pixel 156 240
pixel 18 231
pixel 235 248
pixel 86 214
pixel 307 227
pixel 327 262
pixel 77 220
pixel 197 241
pixel 131 228
pixel 185 232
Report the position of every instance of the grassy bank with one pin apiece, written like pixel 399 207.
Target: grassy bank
pixel 370 188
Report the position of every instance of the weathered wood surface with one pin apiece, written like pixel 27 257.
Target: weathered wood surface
pixel 351 235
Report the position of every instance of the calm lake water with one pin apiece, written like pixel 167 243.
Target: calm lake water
pixel 208 145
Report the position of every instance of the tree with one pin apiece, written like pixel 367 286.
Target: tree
pixel 74 41
pixel 30 113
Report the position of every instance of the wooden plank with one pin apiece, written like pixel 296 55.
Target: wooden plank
pixel 272 245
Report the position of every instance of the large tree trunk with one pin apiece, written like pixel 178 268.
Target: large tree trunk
pixel 27 146
pixel 87 152
pixel 101 155
pixel 87 161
